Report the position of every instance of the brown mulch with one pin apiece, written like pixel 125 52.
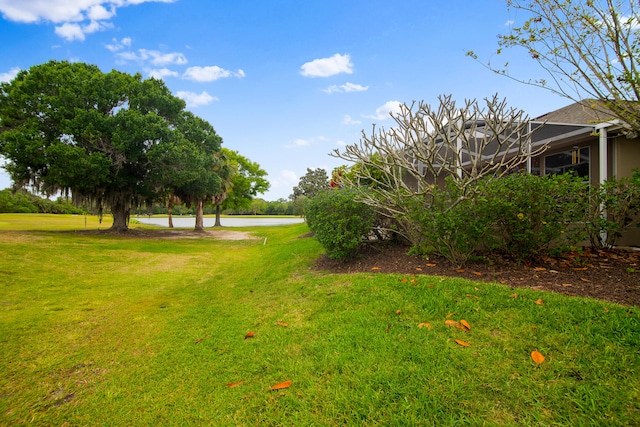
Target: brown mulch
pixel 612 275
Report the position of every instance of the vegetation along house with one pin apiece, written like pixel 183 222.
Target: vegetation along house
pixel 578 138
pixel 587 142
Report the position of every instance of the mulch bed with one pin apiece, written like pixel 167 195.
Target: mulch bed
pixel 612 275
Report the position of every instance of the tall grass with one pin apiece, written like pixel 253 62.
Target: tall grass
pixel 98 329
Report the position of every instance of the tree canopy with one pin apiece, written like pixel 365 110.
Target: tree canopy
pixel 112 139
pixel 314 181
pixel 588 49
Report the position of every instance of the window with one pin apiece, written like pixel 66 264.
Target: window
pixel 575 160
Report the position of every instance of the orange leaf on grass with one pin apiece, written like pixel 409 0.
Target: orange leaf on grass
pixel 398 312
pixel 424 325
pixel 466 324
pixel 236 384
pixel 281 323
pixel 199 340
pixel 450 315
pixel 537 357
pixel 539 302
pixel 249 335
pixel 463 343
pixel 513 296
pixel 279 386
pixel 451 322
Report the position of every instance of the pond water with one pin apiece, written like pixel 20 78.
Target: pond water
pixel 186 222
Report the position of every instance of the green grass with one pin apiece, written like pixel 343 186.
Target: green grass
pixel 98 329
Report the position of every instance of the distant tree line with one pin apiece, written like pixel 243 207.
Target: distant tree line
pixel 24 202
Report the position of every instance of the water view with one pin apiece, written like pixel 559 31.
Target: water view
pixel 186 222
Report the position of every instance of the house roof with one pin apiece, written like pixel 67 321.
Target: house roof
pixel 587 112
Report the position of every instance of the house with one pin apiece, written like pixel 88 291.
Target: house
pixel 589 143
pixel 581 137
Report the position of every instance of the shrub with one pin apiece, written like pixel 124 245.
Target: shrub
pixel 615 206
pixel 339 222
pixel 450 224
pixel 532 214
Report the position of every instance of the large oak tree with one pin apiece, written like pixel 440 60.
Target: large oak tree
pixel 112 139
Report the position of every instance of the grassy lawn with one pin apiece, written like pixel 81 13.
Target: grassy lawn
pixel 98 329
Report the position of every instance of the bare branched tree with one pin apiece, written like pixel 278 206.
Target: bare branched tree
pixel 588 49
pixel 404 164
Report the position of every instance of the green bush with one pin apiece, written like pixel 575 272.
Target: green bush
pixel 449 223
pixel 521 216
pixel 615 206
pixel 23 202
pixel 339 222
pixel 533 214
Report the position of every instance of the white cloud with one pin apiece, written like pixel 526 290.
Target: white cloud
pixel 326 67
pixel 9 75
pixel 347 120
pixel 383 112
pixel 209 74
pixel 76 18
pixel 119 45
pixel 196 99
pixel 300 142
pixel 285 181
pixel 153 56
pixel 70 32
pixel 159 58
pixel 347 87
pixel 162 73
pixel 509 23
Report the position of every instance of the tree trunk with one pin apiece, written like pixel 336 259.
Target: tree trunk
pixel 121 212
pixel 170 212
pixel 218 209
pixel 199 216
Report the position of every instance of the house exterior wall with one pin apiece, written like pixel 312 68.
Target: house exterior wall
pixel 627 158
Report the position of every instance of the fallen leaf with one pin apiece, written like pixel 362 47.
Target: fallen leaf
pixel 249 335
pixel 580 268
pixel 539 302
pixel 451 322
pixel 477 273
pixel 388 327
pixel 513 296
pixel 465 324
pixel 418 269
pixel 424 325
pixel 450 314
pixel 398 312
pixel 236 384
pixel 414 282
pixel 281 323
pixel 472 296
pixel 404 280
pixel 567 285
pixel 431 265
pixel 199 340
pixel 285 384
pixel 463 343
pixel 375 268
pixel 539 269
pixel 537 357
pixel 460 270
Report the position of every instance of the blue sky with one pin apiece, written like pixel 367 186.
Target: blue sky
pixel 284 82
